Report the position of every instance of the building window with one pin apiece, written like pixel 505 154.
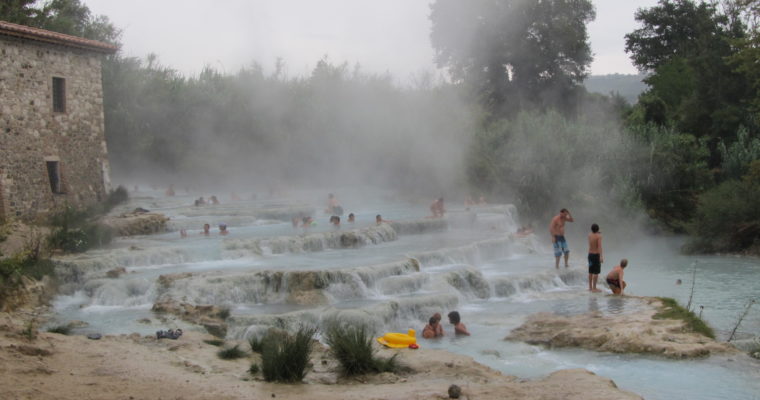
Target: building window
pixel 59 95
pixel 54 174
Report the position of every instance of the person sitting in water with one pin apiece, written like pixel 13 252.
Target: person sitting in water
pixel 206 229
pixel 200 202
pixel 307 222
pixel 379 219
pixel 335 221
pixel 615 277
pixel 223 229
pixel 183 233
pixel 459 327
pixel 351 218
pixel 213 200
pixel 437 208
pixel 524 231
pixel 437 317
pixel 432 329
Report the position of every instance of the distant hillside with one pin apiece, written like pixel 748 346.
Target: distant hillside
pixel 629 86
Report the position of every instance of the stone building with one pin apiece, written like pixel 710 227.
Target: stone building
pixel 52 142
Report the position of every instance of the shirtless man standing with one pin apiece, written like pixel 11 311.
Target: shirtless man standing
pixel 595 257
pixel 557 230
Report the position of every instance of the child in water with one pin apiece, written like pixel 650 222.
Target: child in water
pixel 432 329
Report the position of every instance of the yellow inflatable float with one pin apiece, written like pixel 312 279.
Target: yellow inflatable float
pixel 399 340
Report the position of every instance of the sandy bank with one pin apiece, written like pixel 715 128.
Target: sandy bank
pixel 54 366
pixel 636 332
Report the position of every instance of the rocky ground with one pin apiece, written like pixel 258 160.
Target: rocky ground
pixel 53 366
pixel 627 333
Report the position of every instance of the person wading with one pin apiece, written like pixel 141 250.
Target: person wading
pixel 557 230
pixel 595 257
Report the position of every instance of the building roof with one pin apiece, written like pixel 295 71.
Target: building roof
pixel 42 35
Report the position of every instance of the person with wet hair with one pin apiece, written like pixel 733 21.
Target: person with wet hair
pixel 557 230
pixel 459 327
pixel 437 317
pixel 335 221
pixel 595 257
pixel 223 229
pixel 351 218
pixel 206 230
pixel 379 219
pixel 432 329
pixel 615 277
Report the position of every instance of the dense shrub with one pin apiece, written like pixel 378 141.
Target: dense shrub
pixel 257 343
pixel 60 329
pixel 285 356
pixel 728 215
pixel 352 347
pixel 77 230
pixel 231 353
pixel 26 263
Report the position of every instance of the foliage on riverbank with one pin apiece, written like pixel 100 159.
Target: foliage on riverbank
pixel 284 357
pixel 353 347
pixel 77 230
pixel 728 216
pixel 672 310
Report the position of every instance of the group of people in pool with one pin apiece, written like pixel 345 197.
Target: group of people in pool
pixel 434 329
pixel 202 202
pixel 595 254
pixel 207 230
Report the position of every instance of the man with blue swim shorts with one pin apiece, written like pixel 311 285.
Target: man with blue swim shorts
pixel 557 230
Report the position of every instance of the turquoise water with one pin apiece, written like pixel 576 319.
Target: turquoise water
pixel 494 280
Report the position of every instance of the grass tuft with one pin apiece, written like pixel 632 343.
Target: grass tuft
pixel 254 369
pixel 60 329
pixel 231 353
pixel 672 310
pixel 352 347
pixel 284 357
pixel 214 342
pixel 257 343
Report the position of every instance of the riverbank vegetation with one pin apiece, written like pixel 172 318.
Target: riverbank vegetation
pixel 510 121
pixel 353 347
pixel 672 310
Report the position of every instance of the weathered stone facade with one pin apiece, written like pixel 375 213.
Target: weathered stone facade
pixel 50 157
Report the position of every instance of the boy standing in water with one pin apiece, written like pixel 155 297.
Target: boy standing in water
pixel 615 277
pixel 557 230
pixel 595 257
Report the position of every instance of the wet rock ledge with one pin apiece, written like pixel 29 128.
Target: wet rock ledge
pixel 137 223
pixel 636 332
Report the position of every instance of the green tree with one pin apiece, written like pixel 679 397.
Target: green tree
pixel 514 54
pixel 18 11
pixel 686 46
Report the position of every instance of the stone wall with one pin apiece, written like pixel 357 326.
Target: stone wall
pixel 31 133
